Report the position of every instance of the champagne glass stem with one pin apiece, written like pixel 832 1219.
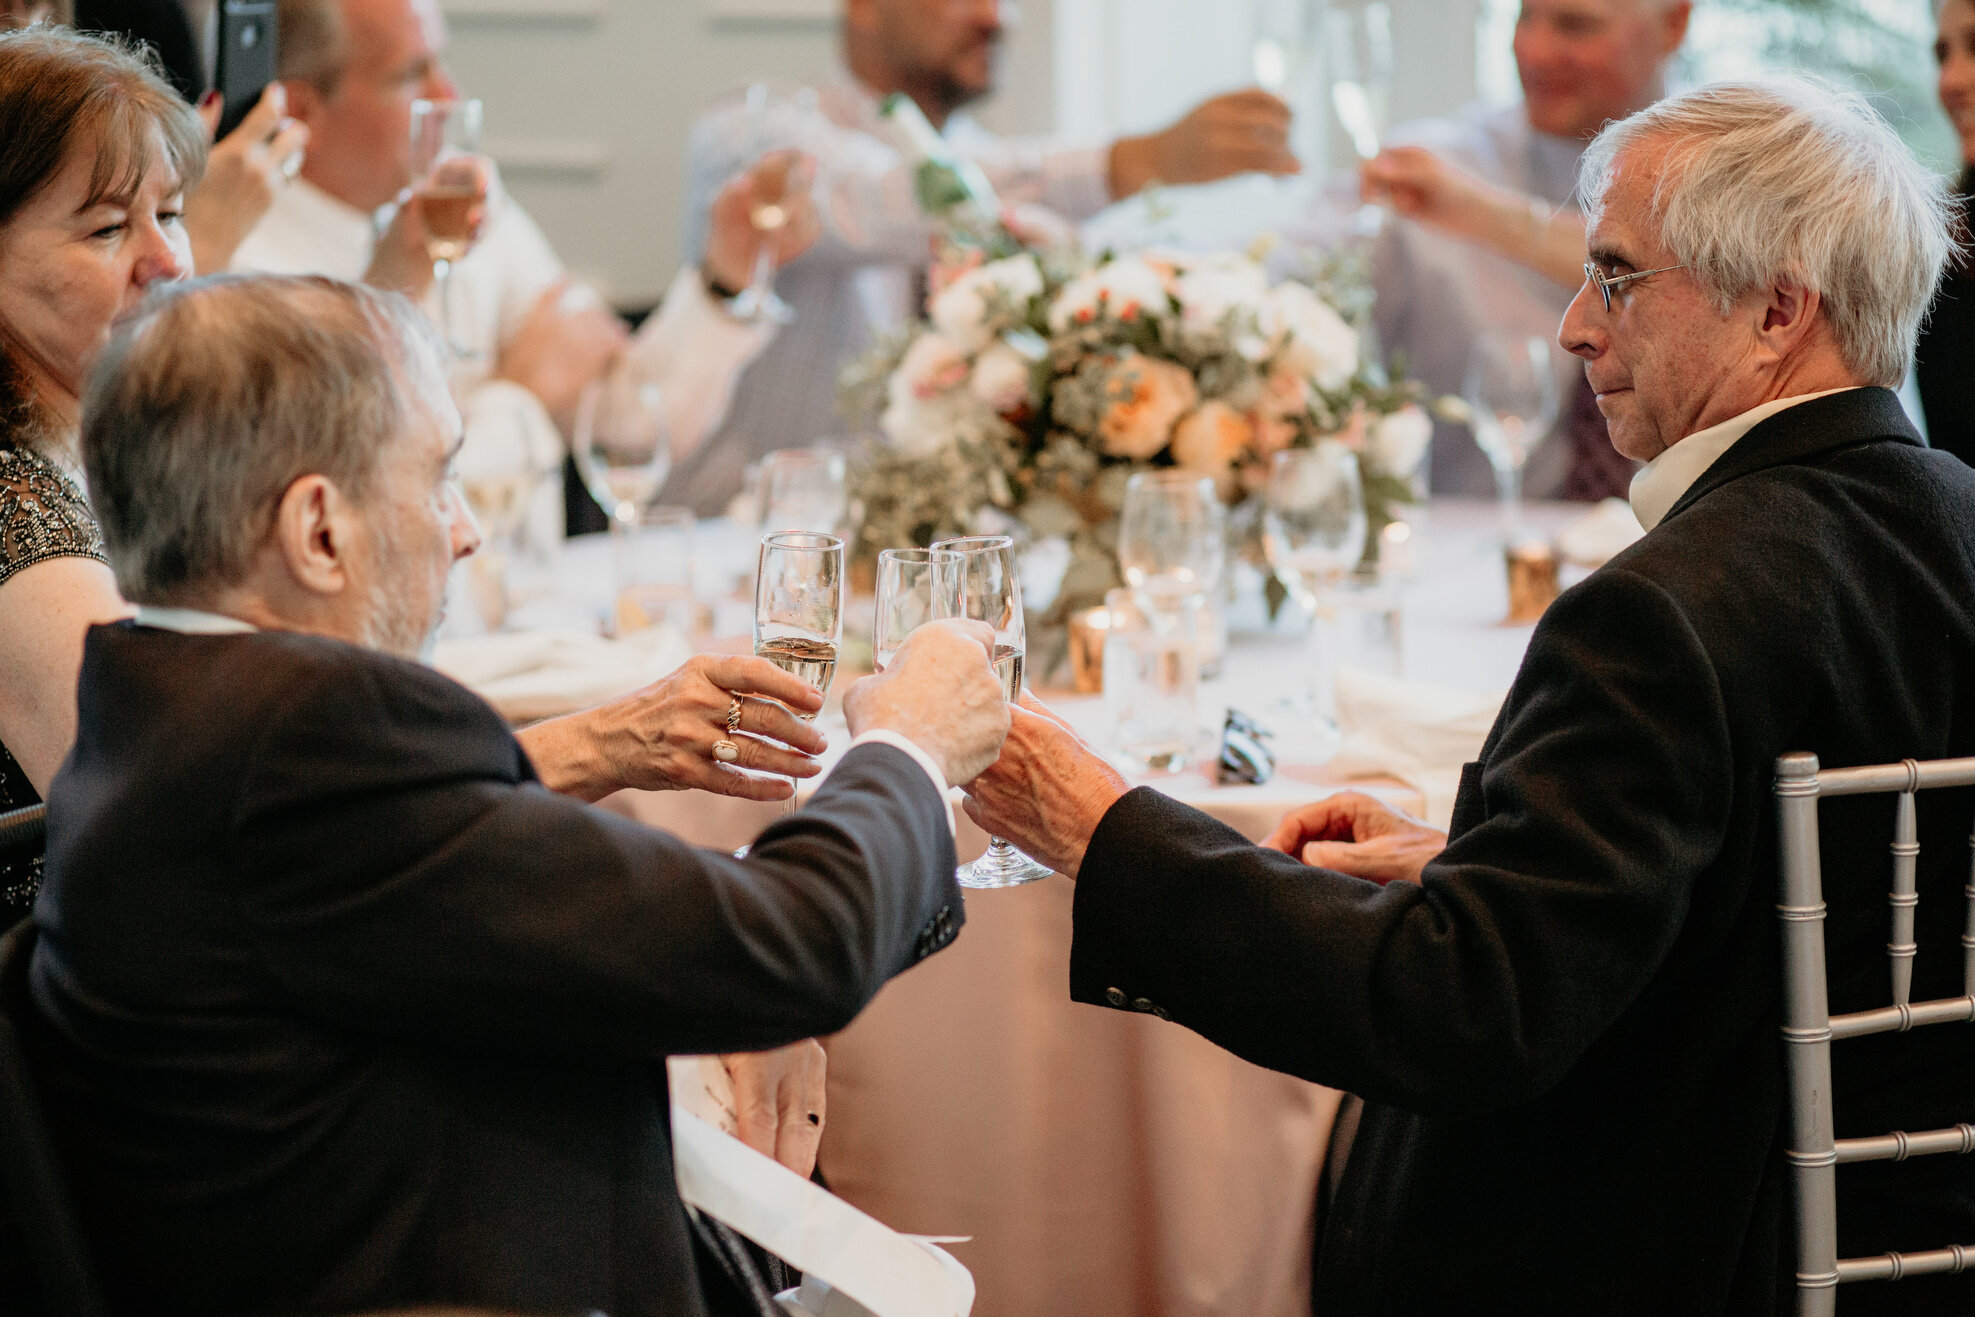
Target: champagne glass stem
pixel 1508 494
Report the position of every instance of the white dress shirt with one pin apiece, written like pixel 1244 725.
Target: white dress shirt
pixel 862 278
pixel 1662 481
pixel 691 347
pixel 1437 293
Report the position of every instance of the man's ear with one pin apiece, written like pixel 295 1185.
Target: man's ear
pixel 1673 26
pixel 314 528
pixel 304 100
pixel 1786 317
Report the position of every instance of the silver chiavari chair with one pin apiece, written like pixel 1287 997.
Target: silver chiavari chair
pixel 1809 1028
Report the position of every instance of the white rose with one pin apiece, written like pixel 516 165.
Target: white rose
pixel 1125 289
pixel 960 311
pixel 1213 287
pixel 933 364
pixel 922 427
pixel 1312 338
pixel 1001 378
pixel 1398 442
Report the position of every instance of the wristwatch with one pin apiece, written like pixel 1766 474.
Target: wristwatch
pixel 718 291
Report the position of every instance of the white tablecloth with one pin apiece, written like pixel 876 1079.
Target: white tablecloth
pixel 1105 1164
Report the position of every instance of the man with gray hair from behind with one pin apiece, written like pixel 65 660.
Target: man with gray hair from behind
pixel 1563 1015
pixel 343 1008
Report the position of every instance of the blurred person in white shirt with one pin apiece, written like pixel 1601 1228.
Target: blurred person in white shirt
pixel 531 340
pixel 863 277
pixel 1488 235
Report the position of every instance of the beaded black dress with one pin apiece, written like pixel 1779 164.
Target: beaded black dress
pixel 43 515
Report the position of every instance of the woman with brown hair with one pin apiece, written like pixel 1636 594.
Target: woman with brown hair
pixel 1944 365
pixel 96 154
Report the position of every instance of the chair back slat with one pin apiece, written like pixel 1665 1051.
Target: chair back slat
pixel 1809 1028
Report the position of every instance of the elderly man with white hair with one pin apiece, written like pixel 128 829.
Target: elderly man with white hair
pixel 1563 1015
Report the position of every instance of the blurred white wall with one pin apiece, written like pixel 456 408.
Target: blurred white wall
pixel 588 101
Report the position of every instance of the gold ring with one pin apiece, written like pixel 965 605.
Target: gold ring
pixel 726 751
pixel 733 714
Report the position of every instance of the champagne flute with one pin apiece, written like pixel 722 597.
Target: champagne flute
pixel 773 118
pixel 451 176
pixel 1512 390
pixel 915 586
pixel 987 588
pixel 1313 533
pixel 623 453
pixel 1358 43
pixel 798 608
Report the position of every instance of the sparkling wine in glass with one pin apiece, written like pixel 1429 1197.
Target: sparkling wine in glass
pixel 775 118
pixel 1512 390
pixel 450 179
pixel 1358 50
pixel 988 588
pixel 798 607
pixel 915 586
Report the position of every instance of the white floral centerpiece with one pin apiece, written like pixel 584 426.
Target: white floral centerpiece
pixel 1039 382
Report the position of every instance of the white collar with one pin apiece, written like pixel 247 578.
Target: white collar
pixel 191 621
pixel 1661 482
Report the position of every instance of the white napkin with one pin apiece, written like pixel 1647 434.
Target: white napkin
pixel 1601 534
pixel 528 675
pixel 1418 733
pixel 852 1265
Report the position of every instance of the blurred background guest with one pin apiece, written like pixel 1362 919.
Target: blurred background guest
pixel 1489 238
pixel 529 340
pixel 95 155
pixel 865 277
pixel 163 25
pixel 1945 363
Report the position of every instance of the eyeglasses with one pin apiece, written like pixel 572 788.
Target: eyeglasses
pixel 1605 283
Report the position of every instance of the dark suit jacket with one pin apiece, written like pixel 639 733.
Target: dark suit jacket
pixel 1567 1034
pixel 1944 358
pixel 347 1012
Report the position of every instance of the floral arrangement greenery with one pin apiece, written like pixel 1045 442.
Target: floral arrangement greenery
pixel 1041 380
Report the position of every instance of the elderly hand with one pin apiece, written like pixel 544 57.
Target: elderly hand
pixel 1047 792
pixel 1355 834
pixel 243 174
pixel 780 179
pixel 564 346
pixel 1241 132
pixel 661 739
pixel 940 693
pixel 1421 186
pixel 778 1101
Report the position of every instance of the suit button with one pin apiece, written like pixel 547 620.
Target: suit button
pixel 1159 1013
pixel 1116 996
pixel 1142 1005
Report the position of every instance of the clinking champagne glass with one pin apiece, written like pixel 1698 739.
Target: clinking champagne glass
pixel 798 607
pixel 1358 48
pixel 988 588
pixel 915 586
pixel 1512 390
pixel 450 178
pixel 1313 532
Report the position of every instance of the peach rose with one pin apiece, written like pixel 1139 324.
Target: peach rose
pixel 1211 439
pixel 1145 396
pixel 1285 397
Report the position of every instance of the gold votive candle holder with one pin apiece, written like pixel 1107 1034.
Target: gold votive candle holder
pixel 1088 628
pixel 1532 567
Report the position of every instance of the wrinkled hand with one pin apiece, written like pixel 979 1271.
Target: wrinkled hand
pixel 940 693
pixel 661 738
pixel 1241 132
pixel 1355 834
pixel 1421 186
pixel 243 174
pixel 402 259
pixel 563 347
pixel 1047 792
pixel 778 1100
pixel 780 178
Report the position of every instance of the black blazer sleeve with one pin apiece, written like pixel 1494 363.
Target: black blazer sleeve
pixel 1604 790
pixel 398 871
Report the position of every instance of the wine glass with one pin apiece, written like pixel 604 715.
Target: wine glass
pixel 802 489
pixel 1172 542
pixel 1512 390
pixel 499 501
pixel 774 119
pixel 451 183
pixel 620 443
pixel 798 608
pixel 988 588
pixel 915 586
pixel 1313 533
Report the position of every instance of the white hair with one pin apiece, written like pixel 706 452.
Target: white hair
pixel 1793 179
